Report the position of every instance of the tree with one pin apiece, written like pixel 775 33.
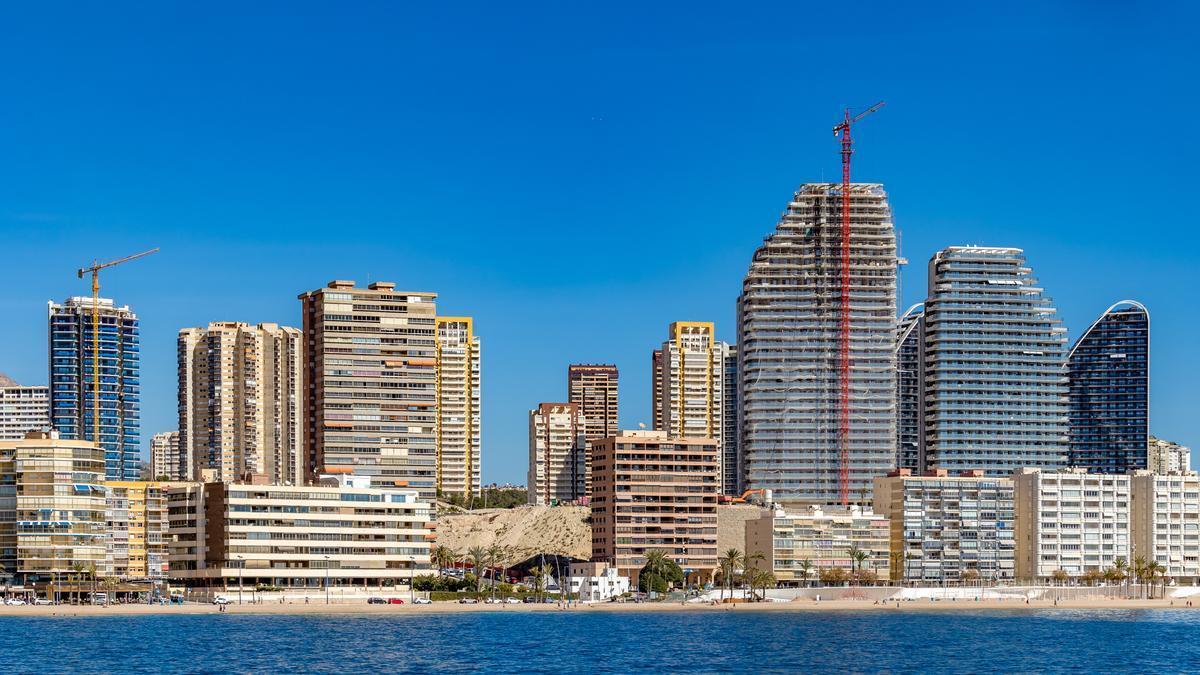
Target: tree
pixel 857 558
pixel 541 574
pixel 970 576
pixel 495 556
pixel 757 578
pixel 1139 571
pixel 91 572
pixel 1120 569
pixel 443 557
pixel 864 577
pixel 729 564
pixel 1060 577
pixel 753 573
pixel 805 569
pixel 659 573
pixel 478 556
pixel 77 569
pixel 832 576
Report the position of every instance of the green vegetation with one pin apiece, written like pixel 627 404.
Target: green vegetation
pixel 659 573
pixel 492 498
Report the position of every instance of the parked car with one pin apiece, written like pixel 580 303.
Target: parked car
pixel 395 601
pixel 512 601
pixel 15 602
pixel 220 600
pixel 376 601
pixel 529 599
pixel 468 601
pixel 422 601
pixel 493 601
pixel 43 601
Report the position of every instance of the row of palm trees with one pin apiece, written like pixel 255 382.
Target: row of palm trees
pixel 81 572
pixel 1145 572
pixel 734 566
pixel 484 561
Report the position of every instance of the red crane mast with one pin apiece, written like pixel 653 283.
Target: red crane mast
pixel 842 129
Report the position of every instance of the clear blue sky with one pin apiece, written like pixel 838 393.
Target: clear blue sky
pixel 577 178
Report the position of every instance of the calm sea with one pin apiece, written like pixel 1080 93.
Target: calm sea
pixel 745 642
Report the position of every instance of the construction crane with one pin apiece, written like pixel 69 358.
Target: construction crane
pixel 842 129
pixel 95 272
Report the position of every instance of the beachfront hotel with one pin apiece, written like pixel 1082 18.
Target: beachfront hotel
pixel 650 491
pixel 1166 523
pixel 137 529
pixel 342 534
pixel 948 527
pixel 1070 520
pixel 825 537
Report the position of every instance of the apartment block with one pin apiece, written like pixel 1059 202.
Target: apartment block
pixel 340 533
pixel 1070 520
pixel 558 467
pixel 948 528
pixel 656 381
pixel 137 524
pixel 593 388
pixel 789 331
pixel 370 383
pixel 731 457
pixel 22 409
pixel 459 412
pixel 691 397
pixel 1165 457
pixel 824 537
pixel 168 461
pixel 1166 523
pixel 653 492
pixel 53 509
pixel 75 326
pixel 240 394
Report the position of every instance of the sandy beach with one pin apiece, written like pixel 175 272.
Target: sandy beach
pixel 452 607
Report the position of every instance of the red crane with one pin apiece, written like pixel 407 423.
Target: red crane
pixel 843 129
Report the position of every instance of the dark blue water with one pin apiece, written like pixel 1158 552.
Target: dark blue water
pixel 746 642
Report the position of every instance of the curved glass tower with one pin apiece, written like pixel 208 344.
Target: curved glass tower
pixel 910 394
pixel 995 357
pixel 1109 369
pixel 788 316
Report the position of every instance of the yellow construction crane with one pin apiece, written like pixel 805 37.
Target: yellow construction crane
pixel 95 271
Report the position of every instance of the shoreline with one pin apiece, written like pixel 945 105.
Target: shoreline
pixel 74 611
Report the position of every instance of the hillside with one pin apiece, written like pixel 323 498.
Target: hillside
pixel 524 530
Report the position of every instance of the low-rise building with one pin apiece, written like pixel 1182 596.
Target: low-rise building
pixel 596 582
pixel 948 527
pixel 1070 520
pixel 798 547
pixel 1166 523
pixel 651 492
pixel 137 523
pixel 1166 457
pixel 342 534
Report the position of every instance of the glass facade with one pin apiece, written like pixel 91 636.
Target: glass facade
pixel 910 403
pixel 1109 369
pixel 995 365
pixel 71 384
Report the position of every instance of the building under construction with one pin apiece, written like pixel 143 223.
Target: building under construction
pixel 789 334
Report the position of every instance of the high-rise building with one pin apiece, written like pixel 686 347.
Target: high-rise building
pixel 691 396
pixel 137 524
pixel 1164 527
pixel 995 365
pixel 370 384
pixel 593 388
pixel 825 538
pixel 1163 457
pixel 651 492
pixel 656 375
pixel 22 409
pixel 731 459
pixel 910 394
pixel 949 527
pixel 558 469
pixel 789 316
pixel 71 380
pixel 459 414
pixel 1109 370
pixel 240 410
pixel 1070 520
pixel 52 509
pixel 167 457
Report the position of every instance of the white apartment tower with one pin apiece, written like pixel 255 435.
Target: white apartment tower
pixel 789 315
pixel 1070 520
pixel 558 470
pixel 458 409
pixel 22 409
pixel 240 397
pixel 167 457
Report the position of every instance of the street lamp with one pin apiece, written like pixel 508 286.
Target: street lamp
pixel 241 565
pixel 326 579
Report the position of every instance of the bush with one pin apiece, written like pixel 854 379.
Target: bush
pixel 662 582
pixel 428 583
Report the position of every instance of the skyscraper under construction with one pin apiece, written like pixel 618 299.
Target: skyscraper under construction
pixel 789 315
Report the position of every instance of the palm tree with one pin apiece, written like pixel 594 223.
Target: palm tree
pixel 655 567
pixel 857 558
pixel 1119 568
pixel 91 572
pixel 495 557
pixel 729 564
pixel 541 574
pixel 443 557
pixel 478 556
pixel 1154 570
pixel 77 568
pixel 760 579
pixel 805 567
pixel 1139 571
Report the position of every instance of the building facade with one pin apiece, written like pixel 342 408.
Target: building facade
pixel 1070 520
pixel 168 461
pixel 1109 370
pixel 910 390
pixel 1164 457
pixel 825 538
pixel 240 402
pixel 1166 523
pixel 593 389
pixel 656 375
pixel 459 411
pixel 341 534
pixel 558 467
pixel 370 383
pixel 72 373
pixel 731 457
pixel 53 509
pixel 137 524
pixel 23 409
pixel 653 492
pixel 995 358
pixel 948 528
pixel 789 316
pixel 691 401
pixel 596 582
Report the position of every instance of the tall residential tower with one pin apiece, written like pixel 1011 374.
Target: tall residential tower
pixel 458 406
pixel 690 400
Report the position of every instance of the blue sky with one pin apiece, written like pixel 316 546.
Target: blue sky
pixel 577 176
